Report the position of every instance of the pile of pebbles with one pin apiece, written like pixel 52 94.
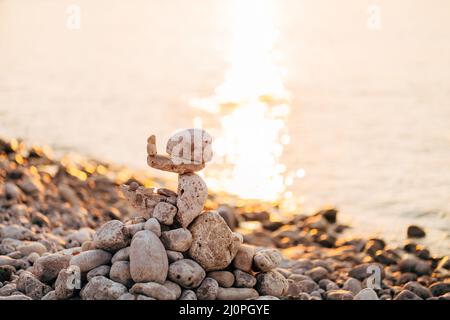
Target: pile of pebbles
pixel 74 235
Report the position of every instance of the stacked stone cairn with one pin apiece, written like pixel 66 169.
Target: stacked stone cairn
pixel 174 250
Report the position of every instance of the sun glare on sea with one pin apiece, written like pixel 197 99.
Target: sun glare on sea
pixel 252 105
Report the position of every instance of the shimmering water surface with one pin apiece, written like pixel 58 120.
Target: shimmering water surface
pixel 305 101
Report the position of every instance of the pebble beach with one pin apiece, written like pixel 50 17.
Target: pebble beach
pixel 75 228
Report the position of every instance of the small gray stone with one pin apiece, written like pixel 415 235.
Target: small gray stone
pixel 31 286
pixel 148 258
pixel 352 285
pixel 418 289
pixel 188 295
pixel 135 228
pixel 187 273
pixel 177 239
pixel 112 236
pixel 101 288
pixel 366 294
pixel 47 268
pixel 407 295
pixel 339 295
pixel 99 271
pixel 88 260
pixel 244 258
pixel 236 294
pixel 244 279
pixel 207 289
pixel 153 225
pixel 121 255
pixel 120 272
pixel 317 273
pixel 153 290
pixel 267 259
pixel 165 212
pixel 225 279
pixel 271 283
pixel 174 255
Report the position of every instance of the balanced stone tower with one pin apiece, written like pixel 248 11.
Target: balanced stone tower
pixel 176 250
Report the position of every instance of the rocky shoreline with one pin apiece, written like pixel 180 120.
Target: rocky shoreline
pixel 89 230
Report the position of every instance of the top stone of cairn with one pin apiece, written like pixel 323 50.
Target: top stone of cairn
pixel 188 151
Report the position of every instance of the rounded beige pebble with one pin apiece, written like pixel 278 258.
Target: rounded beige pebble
pixel 32 247
pixel 177 239
pixel 188 295
pixel 267 259
pixel 153 225
pixel 225 279
pixel 244 258
pixel 214 245
pixel 187 273
pixel 153 290
pixel 121 255
pixel 190 146
pixel 88 260
pixel 165 212
pixel 174 255
pixel 148 258
pixel 112 236
pixel 236 294
pixel 192 194
pixel 47 267
pixel 207 289
pixel 99 271
pixel 244 279
pixel 120 272
pixel 271 283
pixel 101 288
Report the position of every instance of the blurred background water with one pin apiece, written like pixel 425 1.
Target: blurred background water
pixel 368 126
